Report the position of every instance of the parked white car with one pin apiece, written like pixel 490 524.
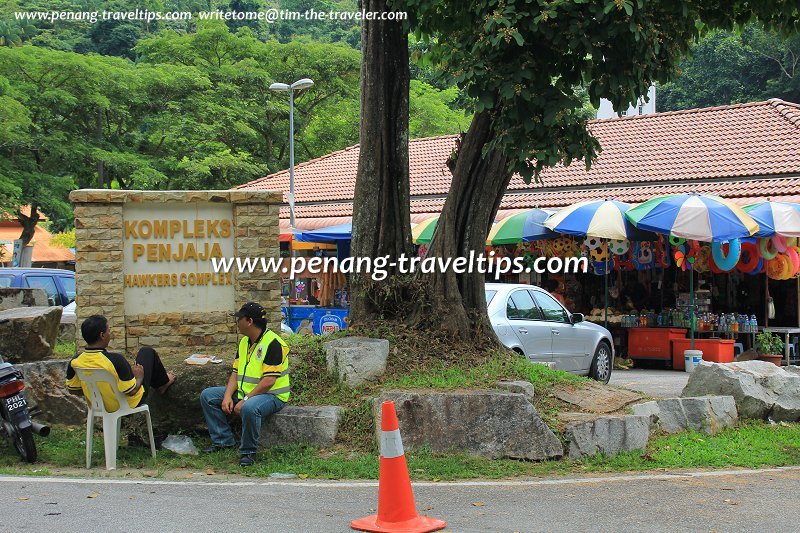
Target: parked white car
pixel 528 320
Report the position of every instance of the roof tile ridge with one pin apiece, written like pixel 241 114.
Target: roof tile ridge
pixel 683 111
pixel 788 110
pixel 435 137
pixel 298 165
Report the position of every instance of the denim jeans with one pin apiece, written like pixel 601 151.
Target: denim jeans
pixel 254 410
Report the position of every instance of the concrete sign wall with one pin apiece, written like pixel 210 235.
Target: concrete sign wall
pixel 167 257
pixel 143 259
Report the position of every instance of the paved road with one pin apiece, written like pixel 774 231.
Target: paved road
pixel 743 501
pixel 655 383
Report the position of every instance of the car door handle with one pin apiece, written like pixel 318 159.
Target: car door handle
pixel 555 332
pixel 524 331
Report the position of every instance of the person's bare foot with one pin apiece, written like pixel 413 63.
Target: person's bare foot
pixel 163 388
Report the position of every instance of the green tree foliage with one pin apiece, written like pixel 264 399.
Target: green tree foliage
pixel 431 111
pixel 728 67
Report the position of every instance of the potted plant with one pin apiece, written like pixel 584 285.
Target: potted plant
pixel 770 347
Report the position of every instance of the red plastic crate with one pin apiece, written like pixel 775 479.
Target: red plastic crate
pixel 652 343
pixel 714 350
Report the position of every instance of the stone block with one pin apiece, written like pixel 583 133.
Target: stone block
pixel 29 334
pixel 315 425
pixel 13 298
pixel 357 359
pixel 761 390
pixel 608 435
pixel 487 423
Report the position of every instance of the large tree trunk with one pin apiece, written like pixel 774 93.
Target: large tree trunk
pixel 469 210
pixel 381 212
pixel 28 223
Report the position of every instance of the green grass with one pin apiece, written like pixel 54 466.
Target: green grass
pixel 64 350
pixel 750 445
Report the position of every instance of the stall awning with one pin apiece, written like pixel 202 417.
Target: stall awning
pixel 341 232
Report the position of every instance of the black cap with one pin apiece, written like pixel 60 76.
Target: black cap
pixel 251 310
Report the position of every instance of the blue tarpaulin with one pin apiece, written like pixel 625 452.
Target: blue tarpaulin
pixel 342 232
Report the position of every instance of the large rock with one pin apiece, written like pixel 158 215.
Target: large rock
pixel 29 333
pixel 13 298
pixel 489 423
pixel 316 425
pixel 45 387
pixel 608 435
pixel 357 359
pixel 709 414
pixel 179 408
pixel 761 389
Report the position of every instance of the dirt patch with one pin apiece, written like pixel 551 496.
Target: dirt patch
pixel 596 398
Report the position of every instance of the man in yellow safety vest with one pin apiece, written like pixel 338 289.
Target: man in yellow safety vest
pixel 258 386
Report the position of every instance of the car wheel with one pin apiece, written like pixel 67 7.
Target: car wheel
pixel 602 363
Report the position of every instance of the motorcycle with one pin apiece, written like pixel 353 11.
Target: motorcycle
pixel 15 420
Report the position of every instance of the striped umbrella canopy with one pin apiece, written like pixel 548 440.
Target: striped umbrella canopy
pixel 782 218
pixel 604 219
pixel 422 233
pixel 701 217
pixel 525 226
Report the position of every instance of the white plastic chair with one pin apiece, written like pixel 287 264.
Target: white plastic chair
pixel 111 421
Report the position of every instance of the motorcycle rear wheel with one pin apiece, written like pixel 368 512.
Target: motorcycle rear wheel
pixel 24 443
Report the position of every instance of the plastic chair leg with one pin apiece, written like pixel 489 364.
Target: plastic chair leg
pixel 150 433
pixel 89 438
pixel 110 441
pixel 119 431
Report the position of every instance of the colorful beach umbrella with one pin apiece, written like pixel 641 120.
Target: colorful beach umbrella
pixel 422 233
pixel 604 219
pixel 700 217
pixel 525 226
pixel 782 218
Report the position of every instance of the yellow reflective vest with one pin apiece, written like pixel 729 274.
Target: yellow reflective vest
pixel 251 367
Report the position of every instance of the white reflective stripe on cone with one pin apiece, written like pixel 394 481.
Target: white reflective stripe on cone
pixel 391 444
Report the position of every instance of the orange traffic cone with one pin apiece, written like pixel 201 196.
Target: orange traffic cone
pixel 397 511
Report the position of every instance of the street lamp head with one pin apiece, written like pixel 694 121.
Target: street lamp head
pixel 305 83
pixel 278 87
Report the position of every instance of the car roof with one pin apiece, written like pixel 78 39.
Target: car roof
pixel 510 286
pixel 23 270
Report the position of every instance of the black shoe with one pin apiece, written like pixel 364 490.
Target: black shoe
pixel 215 448
pixel 247 459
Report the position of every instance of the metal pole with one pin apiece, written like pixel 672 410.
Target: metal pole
pixel 691 303
pixel 605 279
pixel 291 159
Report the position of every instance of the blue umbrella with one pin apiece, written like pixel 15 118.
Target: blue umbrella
pixel 604 219
pixel 782 218
pixel 701 217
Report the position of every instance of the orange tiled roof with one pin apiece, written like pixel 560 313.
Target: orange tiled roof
pixel 43 251
pixel 26 210
pixel 746 152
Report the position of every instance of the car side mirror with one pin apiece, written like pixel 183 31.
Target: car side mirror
pixel 576 318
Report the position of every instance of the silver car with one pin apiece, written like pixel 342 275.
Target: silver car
pixel 528 320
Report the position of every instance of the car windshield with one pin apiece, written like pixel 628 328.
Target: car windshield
pixel 490 296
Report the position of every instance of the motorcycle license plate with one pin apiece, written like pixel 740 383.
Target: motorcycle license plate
pixel 15 403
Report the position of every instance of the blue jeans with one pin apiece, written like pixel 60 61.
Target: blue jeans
pixel 254 410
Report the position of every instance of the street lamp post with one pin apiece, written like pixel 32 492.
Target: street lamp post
pixel 304 83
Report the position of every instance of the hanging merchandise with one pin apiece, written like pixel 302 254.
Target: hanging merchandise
pixel 780 267
pixel 624 262
pixel 779 242
pixel 601 267
pixel 598 253
pixel 564 247
pixel 767 248
pixel 794 259
pixel 643 258
pixel 592 243
pixel 703 262
pixel 662 256
pixel 726 261
pixel 619 246
pixel 749 259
